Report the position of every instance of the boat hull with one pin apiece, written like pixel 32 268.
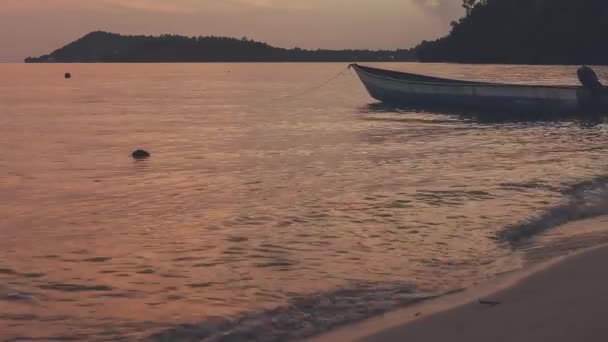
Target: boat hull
pixel 416 90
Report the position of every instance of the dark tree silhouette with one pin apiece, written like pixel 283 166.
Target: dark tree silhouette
pixel 524 32
pixel 468 5
pixel 98 47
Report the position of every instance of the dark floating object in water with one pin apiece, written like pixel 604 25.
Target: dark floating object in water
pixel 68 75
pixel 140 154
pixel 489 302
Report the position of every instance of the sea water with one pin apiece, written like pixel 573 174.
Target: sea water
pixel 274 206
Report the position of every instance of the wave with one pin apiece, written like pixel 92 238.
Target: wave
pixel 303 317
pixel 311 315
pixel 583 200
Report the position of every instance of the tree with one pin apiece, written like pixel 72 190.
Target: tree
pixel 469 5
pixel 524 32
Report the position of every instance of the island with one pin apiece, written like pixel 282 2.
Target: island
pixel 106 47
pixel 491 31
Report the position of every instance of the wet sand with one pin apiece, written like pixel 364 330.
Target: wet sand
pixel 566 300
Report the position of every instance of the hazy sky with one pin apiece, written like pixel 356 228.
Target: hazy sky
pixel 35 27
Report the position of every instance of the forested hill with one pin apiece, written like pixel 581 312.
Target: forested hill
pixel 112 48
pixel 525 32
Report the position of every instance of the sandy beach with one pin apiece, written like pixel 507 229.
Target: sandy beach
pixel 565 300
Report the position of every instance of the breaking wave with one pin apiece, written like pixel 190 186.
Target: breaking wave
pixel 303 317
pixel 583 200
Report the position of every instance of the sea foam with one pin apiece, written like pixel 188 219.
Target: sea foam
pixel 583 200
pixel 303 317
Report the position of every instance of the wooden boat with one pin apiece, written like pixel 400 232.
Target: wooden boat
pixel 419 90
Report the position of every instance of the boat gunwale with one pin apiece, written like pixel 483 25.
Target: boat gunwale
pixel 459 83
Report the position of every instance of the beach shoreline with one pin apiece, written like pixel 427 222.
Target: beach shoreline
pixel 554 300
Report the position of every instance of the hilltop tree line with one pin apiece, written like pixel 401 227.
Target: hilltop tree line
pixel 491 31
pixel 109 47
pixel 524 32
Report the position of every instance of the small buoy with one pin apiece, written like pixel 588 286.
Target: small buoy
pixel 140 154
pixel 68 75
pixel 489 302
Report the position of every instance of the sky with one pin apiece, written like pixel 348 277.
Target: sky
pixel 36 27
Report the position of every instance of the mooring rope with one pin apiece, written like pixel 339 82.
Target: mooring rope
pixel 315 88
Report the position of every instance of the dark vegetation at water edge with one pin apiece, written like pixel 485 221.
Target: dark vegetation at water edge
pixel 105 47
pixel 525 32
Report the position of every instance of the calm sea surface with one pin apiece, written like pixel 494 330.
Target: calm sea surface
pixel 269 209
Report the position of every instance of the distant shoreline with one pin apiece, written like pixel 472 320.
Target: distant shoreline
pixel 106 47
pixel 231 62
pixel 313 62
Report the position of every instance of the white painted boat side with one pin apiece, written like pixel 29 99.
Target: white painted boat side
pixel 379 85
